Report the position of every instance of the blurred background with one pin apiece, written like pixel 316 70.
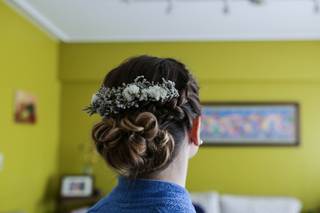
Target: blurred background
pixel 55 53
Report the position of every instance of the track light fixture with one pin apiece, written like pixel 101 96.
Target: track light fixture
pixel 226 3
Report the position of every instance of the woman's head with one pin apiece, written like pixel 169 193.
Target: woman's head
pixel 143 140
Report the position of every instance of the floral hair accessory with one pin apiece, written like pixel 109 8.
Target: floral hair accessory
pixel 111 101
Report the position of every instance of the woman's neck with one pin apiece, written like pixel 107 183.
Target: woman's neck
pixel 176 172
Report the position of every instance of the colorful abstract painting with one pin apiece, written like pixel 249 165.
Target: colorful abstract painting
pixel 250 123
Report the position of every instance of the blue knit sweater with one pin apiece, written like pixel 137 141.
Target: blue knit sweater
pixel 145 196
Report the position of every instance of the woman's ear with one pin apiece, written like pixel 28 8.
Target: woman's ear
pixel 194 133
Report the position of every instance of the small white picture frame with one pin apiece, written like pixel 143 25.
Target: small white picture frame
pixel 76 186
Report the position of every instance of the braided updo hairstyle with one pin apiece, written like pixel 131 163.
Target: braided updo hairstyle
pixel 143 141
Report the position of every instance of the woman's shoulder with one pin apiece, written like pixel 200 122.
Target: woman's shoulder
pixel 145 196
pixel 154 206
pixel 99 206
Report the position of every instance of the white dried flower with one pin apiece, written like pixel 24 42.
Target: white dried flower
pixel 157 92
pixel 163 93
pixel 94 98
pixel 133 89
pixel 144 95
pixel 130 92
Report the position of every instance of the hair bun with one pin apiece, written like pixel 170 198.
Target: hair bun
pixel 134 145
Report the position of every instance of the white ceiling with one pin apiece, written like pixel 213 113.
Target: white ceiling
pixel 196 20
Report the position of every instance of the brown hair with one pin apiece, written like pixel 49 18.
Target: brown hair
pixel 145 140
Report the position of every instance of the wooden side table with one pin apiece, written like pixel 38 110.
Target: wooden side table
pixel 66 205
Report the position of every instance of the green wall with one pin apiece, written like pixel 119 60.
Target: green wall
pixel 252 71
pixel 28 61
pixel 244 71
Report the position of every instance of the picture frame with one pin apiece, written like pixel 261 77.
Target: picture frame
pixel 76 186
pixel 25 107
pixel 250 123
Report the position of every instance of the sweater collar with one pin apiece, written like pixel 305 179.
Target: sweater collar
pixel 142 189
pixel 148 184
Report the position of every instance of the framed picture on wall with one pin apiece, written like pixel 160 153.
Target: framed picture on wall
pixel 25 107
pixel 250 123
pixel 76 186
